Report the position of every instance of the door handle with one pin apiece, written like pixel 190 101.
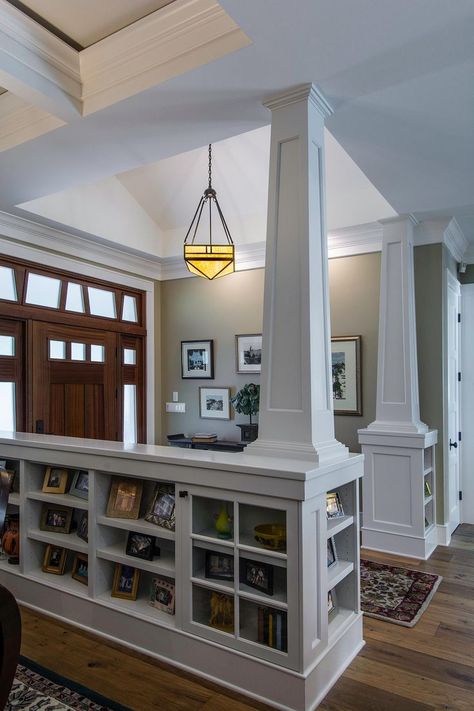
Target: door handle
pixel 453 444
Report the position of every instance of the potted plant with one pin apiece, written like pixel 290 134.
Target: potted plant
pixel 246 401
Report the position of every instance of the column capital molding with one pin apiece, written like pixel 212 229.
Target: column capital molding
pixel 409 219
pixel 300 93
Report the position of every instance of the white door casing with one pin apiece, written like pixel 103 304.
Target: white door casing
pixel 451 434
pixel 467 404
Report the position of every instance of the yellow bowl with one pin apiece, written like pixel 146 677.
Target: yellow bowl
pixel 271 535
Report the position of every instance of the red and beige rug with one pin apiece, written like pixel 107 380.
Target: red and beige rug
pixel 395 594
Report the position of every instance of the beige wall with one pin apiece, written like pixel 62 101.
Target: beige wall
pixel 354 286
pixel 198 309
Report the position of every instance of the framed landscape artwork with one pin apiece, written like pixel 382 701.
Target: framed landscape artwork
pixel 214 403
pixel 248 353
pixel 197 359
pixel 346 375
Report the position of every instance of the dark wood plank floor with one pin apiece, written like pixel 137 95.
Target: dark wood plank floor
pixel 426 668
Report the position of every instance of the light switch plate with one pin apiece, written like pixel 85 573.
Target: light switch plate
pixel 176 407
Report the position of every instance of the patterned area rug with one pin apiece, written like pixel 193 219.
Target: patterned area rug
pixel 395 594
pixel 38 689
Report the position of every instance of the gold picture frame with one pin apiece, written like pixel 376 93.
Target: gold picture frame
pixel 55 481
pixel 56 519
pixel 124 498
pixel 54 560
pixel 125 582
pixel 80 568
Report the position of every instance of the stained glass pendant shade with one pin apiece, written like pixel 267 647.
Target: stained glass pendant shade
pixel 207 259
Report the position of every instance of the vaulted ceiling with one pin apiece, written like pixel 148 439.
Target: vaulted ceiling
pixel 171 79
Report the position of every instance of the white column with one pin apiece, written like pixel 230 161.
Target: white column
pixel 398 406
pixel 296 415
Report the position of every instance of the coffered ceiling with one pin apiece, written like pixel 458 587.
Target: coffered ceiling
pixel 86 22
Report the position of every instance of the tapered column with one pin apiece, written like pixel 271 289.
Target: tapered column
pixel 296 415
pixel 398 406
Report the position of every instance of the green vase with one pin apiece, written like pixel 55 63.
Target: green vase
pixel 224 523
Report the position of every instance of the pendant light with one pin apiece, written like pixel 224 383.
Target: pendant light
pixel 209 260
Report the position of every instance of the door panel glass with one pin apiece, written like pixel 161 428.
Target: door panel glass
pixel 7 284
pixel 97 354
pixel 75 298
pixel 130 414
pixel 78 351
pixel 57 350
pixel 43 291
pixel 129 356
pixel 7 345
pixel 129 309
pixel 7 410
pixel 102 302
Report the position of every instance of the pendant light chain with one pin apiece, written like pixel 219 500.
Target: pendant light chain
pixel 210 166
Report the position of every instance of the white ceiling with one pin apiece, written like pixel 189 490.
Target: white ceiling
pixel 88 21
pixel 399 75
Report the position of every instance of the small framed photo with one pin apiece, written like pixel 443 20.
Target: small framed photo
pixel 56 519
pixel 80 484
pixel 257 575
pixel 334 507
pixel 427 488
pixel 197 359
pixel 140 545
pixel 332 604
pixel 83 526
pixel 55 481
pixel 248 353
pixel 54 560
pixel 125 498
pixel 346 375
pixel 162 507
pixel 8 477
pixel 80 568
pixel 162 595
pixel 125 583
pixel 214 403
pixel 332 555
pixel 219 566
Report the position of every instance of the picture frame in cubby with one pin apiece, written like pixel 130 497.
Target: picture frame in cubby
pixel 334 508
pixel 55 481
pixel 161 510
pixel 56 519
pixel 257 575
pixel 140 545
pixel 162 595
pixel 331 552
pixel 332 604
pixel 125 582
pixel 219 566
pixel 80 568
pixel 124 498
pixel 83 527
pixel 54 560
pixel 80 484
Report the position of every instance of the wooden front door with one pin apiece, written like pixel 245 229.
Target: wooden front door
pixel 74 381
pixel 12 375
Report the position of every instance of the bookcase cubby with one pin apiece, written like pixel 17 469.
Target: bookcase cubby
pixel 232 569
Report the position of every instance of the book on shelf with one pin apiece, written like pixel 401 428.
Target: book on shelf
pixel 272 628
pixel 204 437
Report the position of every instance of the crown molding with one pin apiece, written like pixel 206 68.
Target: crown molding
pixel 300 93
pixel 20 122
pixel 445 231
pixel 350 241
pixel 455 240
pixel 174 39
pixel 37 65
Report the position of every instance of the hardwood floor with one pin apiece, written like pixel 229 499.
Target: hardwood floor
pixel 426 668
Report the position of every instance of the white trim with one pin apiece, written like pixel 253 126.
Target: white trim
pixel 21 122
pixel 443 534
pixel 166 43
pixel 39 256
pixel 361 239
pixel 447 231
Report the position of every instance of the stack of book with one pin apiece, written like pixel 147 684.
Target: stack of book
pixel 272 628
pixel 204 437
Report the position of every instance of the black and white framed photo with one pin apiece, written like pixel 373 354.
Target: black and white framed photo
pixel 332 604
pixel 346 375
pixel 248 353
pixel 197 359
pixel 83 526
pixel 214 403
pixel 219 566
pixel 332 555
pixel 140 545
pixel 80 484
pixel 257 575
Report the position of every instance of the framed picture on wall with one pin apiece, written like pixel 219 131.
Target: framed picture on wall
pixel 248 353
pixel 197 359
pixel 214 403
pixel 346 375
